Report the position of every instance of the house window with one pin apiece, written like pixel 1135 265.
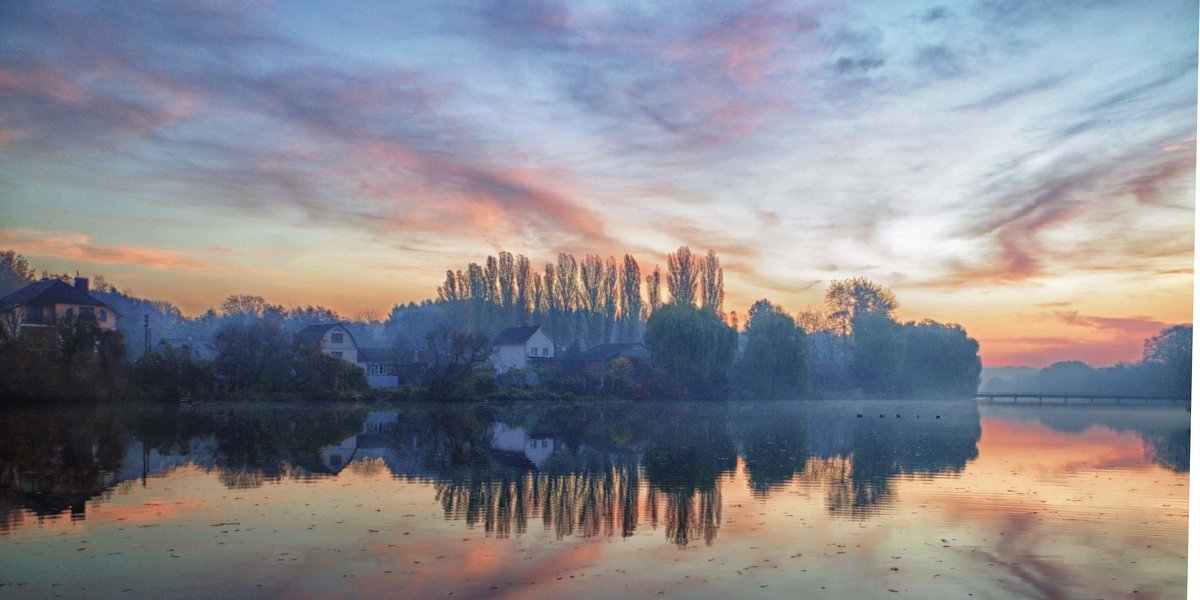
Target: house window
pixel 86 311
pixel 34 314
pixel 103 315
pixel 337 338
pixel 533 351
pixel 545 352
pixel 70 314
pixel 545 443
pixel 336 354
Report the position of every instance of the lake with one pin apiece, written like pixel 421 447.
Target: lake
pixel 837 499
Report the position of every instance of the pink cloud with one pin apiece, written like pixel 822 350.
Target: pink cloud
pixel 79 247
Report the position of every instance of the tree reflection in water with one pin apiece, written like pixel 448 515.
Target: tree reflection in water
pixel 585 470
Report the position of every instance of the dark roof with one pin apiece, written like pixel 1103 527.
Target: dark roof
pixel 515 335
pixel 48 292
pixel 313 334
pixel 612 351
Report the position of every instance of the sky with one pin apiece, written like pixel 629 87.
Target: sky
pixel 1023 168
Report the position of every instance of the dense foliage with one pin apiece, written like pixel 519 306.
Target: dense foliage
pixel 74 360
pixel 693 344
pixel 774 360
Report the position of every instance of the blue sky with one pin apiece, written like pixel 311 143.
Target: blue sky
pixel 1024 168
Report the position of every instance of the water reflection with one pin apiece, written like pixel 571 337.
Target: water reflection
pixel 583 470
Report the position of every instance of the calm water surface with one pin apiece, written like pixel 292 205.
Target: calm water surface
pixel 824 499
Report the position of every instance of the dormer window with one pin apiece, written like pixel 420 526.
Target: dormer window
pixel 337 338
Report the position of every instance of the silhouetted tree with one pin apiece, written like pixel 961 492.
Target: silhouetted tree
pixel 653 291
pixel 631 299
pixel 712 283
pixel 609 298
pixel 683 275
pixel 524 282
pixel 774 361
pixel 1171 352
pixel 939 359
pixel 878 353
pixel 692 344
pixel 453 357
pixel 15 272
pixel 849 298
pixel 253 357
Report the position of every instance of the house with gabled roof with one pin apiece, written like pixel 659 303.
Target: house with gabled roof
pixel 47 302
pixel 520 347
pixel 332 338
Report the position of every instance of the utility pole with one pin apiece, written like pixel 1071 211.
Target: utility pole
pixel 146 327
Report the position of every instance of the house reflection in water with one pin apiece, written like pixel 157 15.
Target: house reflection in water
pixel 337 456
pixel 516 440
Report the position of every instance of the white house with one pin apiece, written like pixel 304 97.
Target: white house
pixel 335 340
pixel 516 346
pixel 332 338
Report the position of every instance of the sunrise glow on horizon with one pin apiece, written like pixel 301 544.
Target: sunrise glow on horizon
pixel 1026 170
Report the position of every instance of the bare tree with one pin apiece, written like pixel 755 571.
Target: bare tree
pixel 610 297
pixel 566 283
pixel 712 283
pixel 452 358
pixel 524 280
pixel 537 296
pixel 549 281
pixel 506 277
pixel 683 274
pixel 591 272
pixel 631 298
pixel 849 298
pixel 654 290
pixel 449 291
pixel 491 272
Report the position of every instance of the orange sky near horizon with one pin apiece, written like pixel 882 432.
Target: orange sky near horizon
pixel 1021 333
pixel 1027 171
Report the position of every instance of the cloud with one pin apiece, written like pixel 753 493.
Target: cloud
pixel 1012 94
pixel 322 136
pixel 1022 213
pixel 1140 326
pixel 940 60
pixel 936 13
pixel 79 247
pixel 1041 351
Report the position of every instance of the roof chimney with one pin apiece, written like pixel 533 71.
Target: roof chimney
pixel 81 284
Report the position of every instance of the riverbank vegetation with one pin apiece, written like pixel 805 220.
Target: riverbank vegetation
pixel 247 348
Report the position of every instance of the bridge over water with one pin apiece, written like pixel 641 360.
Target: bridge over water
pixel 1034 398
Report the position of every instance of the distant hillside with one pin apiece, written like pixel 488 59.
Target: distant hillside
pixel 993 379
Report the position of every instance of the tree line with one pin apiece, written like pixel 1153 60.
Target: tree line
pixel 1165 369
pixel 592 300
pixel 852 345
